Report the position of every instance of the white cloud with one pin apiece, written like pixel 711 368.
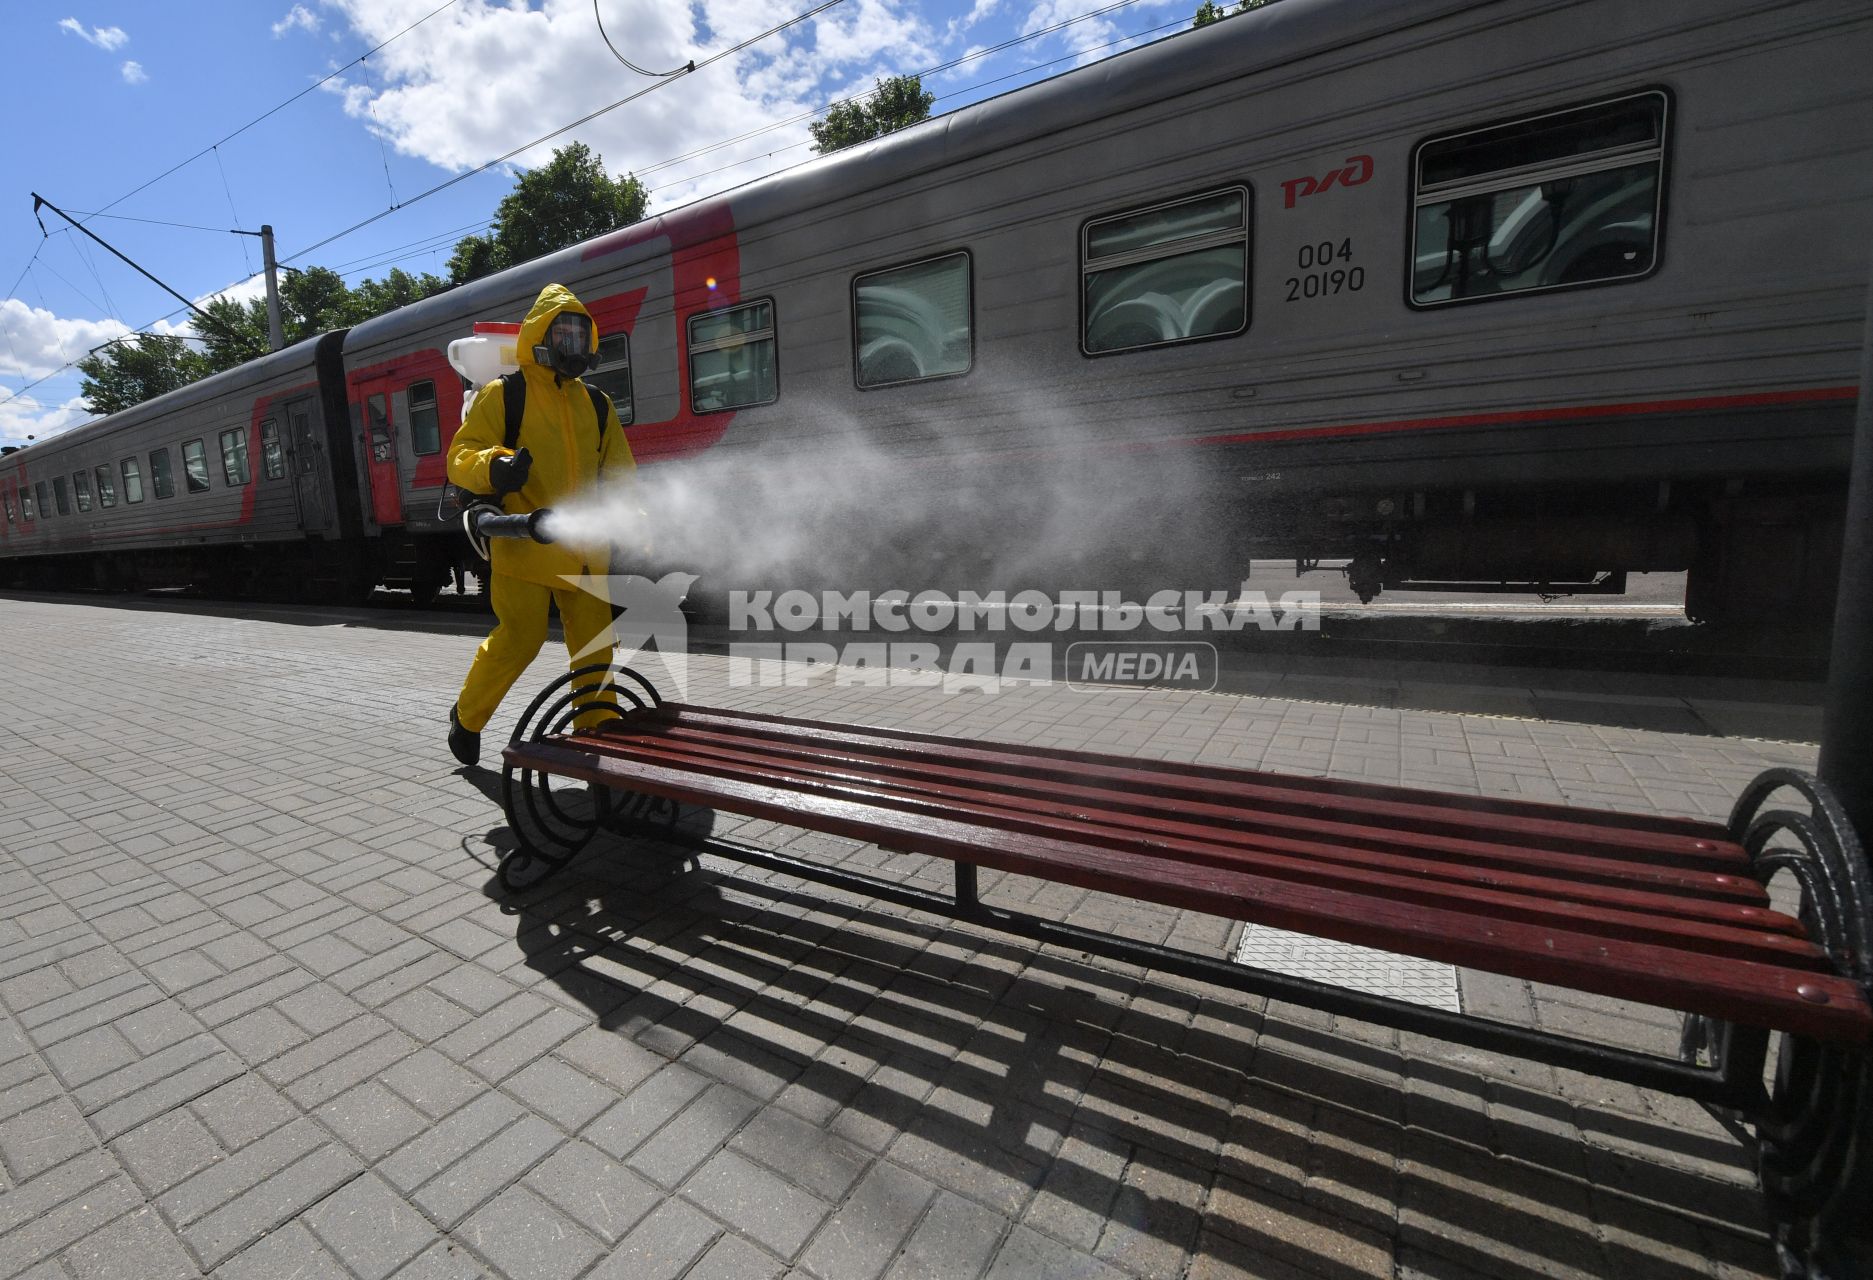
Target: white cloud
pixel 21 416
pixel 481 78
pixel 298 17
pixel 34 342
pixel 134 73
pixel 105 38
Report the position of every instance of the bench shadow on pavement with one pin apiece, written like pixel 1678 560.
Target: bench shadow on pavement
pixel 1123 1113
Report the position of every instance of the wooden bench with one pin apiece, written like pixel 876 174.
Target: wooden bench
pixel 1662 911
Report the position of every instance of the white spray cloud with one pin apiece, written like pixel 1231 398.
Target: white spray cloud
pixel 134 73
pixel 108 39
pixel 907 506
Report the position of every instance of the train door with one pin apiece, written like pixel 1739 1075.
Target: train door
pixel 380 453
pixel 305 454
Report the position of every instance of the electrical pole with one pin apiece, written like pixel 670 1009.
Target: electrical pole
pixel 276 336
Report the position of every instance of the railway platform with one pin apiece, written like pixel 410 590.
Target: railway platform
pixel 264 1012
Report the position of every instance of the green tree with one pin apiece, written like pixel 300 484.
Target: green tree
pixel 896 102
pixel 312 302
pixel 373 298
pixel 130 371
pixel 1209 11
pixel 568 199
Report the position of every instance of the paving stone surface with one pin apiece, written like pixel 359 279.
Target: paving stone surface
pixel 265 1013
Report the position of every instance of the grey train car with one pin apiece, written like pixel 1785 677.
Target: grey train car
pixel 1517 294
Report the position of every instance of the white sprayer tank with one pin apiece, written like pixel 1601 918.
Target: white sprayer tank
pixel 491 352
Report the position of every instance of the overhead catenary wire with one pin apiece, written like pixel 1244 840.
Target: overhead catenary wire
pixel 544 138
pixel 247 259
pixel 372 260
pixel 1179 23
pixel 599 18
pixel 281 106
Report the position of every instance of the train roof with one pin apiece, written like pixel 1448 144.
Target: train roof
pixel 228 381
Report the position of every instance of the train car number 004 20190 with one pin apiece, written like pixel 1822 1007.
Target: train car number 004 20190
pixel 1322 274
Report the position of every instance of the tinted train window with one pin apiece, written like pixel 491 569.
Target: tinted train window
pixel 81 488
pixel 133 481
pixel 272 454
pixel 195 466
pixel 612 374
pixel 8 499
pixel 1562 199
pixel 731 358
pixel 161 478
pixel 61 495
pixel 107 485
pixel 425 434
pixel 1174 272
pixel 913 322
pixel 234 458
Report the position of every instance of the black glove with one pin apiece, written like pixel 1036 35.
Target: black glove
pixel 507 474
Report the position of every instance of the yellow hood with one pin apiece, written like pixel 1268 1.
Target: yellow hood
pixel 553 299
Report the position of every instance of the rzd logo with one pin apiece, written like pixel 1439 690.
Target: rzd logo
pixel 1358 169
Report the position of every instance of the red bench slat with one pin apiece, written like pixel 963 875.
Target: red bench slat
pixel 1743 934
pixel 1678 842
pixel 1693 894
pixel 1784 998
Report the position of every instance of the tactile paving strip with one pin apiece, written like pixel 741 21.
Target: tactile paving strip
pixel 1342 964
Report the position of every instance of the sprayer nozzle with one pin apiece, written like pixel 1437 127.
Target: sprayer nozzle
pixel 492 523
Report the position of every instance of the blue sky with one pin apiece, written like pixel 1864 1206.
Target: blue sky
pixel 114 94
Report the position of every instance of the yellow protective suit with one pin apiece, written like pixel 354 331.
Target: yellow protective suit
pixel 571 451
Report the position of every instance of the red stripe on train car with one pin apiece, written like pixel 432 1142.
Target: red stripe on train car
pixel 1512 417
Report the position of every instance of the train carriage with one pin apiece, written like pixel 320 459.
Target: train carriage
pixel 1518 294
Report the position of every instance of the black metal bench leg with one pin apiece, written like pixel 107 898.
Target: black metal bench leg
pixel 1814 1125
pixel 967 901
pixel 547 831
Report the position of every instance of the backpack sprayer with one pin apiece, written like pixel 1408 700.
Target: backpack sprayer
pixel 491 353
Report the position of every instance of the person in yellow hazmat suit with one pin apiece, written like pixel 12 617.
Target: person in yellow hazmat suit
pixel 562 449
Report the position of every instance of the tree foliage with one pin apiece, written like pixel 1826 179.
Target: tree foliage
pixel 568 199
pixel 133 370
pixel 896 102
pixel 1209 11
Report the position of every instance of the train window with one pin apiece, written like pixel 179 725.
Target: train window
pixel 61 495
pixel 913 322
pixel 195 466
pixel 107 485
pixel 45 501
pixel 81 489
pixel 732 358
pixel 1173 272
pixel 162 479
pixel 234 457
pixel 612 373
pixel 425 433
pixel 26 504
pixel 272 453
pixel 1557 200
pixel 8 499
pixel 133 480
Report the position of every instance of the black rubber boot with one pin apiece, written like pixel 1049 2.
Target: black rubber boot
pixel 465 745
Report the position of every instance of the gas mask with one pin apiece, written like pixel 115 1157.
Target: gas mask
pixel 569 346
